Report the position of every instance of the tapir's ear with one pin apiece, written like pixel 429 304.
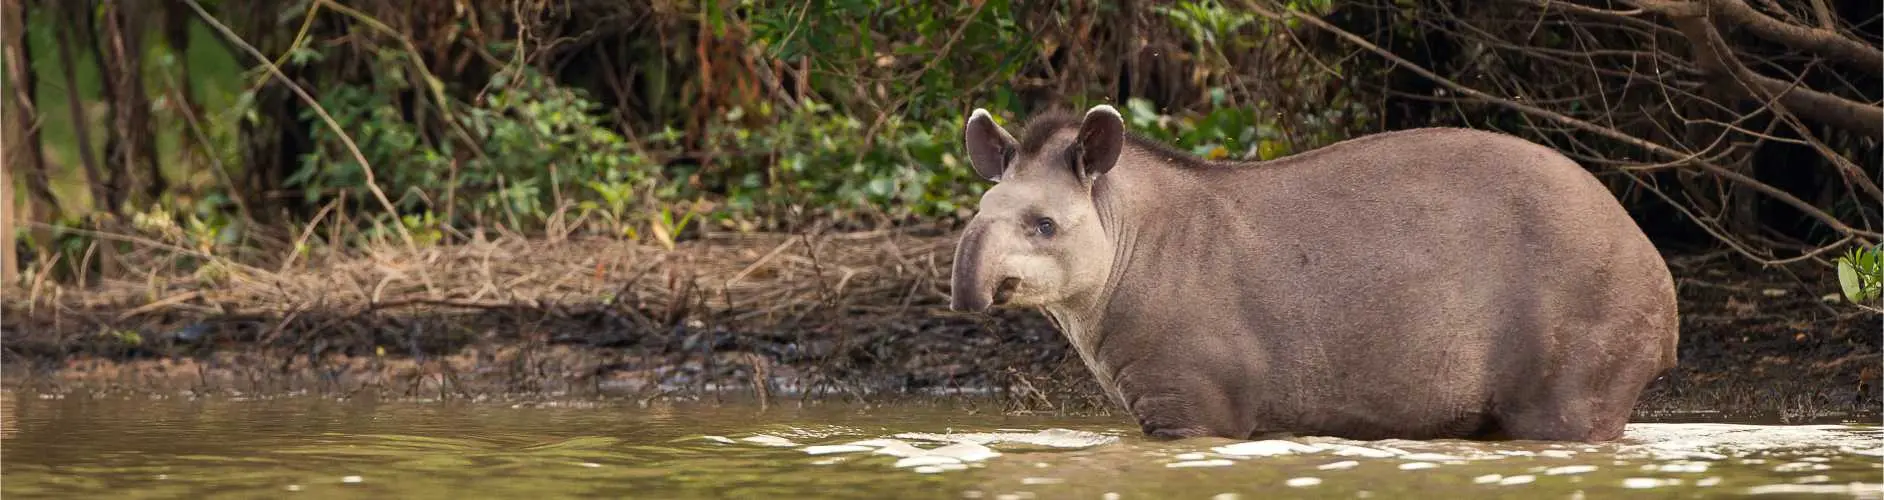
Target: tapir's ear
pixel 1101 138
pixel 989 146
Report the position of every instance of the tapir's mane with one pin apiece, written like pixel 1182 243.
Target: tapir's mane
pixel 1041 128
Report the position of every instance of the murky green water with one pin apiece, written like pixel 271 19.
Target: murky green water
pixel 312 448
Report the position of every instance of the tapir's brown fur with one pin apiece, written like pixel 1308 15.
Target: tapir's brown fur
pixel 1419 284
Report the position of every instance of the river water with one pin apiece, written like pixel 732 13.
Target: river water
pixel 84 447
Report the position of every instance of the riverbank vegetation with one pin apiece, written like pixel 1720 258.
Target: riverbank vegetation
pixel 352 177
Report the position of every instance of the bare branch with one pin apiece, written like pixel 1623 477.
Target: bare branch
pixel 1658 149
pixel 1623 17
pixel 1824 14
pixel 1775 8
pixel 1716 59
pixel 1826 42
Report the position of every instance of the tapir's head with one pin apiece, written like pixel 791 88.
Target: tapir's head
pixel 1036 239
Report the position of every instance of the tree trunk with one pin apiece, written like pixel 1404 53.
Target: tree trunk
pixel 177 36
pixel 10 29
pixel 131 148
pixel 22 146
pixel 273 144
pixel 74 19
pixel 1126 46
pixel 9 263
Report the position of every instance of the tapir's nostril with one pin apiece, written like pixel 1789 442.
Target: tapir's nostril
pixel 1006 290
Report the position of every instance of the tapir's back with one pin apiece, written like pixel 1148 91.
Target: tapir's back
pixel 1456 264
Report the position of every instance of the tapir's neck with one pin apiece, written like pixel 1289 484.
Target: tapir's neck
pixel 1130 200
pixel 1081 316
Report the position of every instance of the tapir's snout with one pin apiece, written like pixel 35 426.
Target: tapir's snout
pixel 970 288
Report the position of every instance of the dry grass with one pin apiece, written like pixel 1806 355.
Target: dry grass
pixel 843 313
pixel 721 279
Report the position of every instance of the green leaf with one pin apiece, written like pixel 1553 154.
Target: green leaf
pixel 881 186
pixel 1860 275
pixel 1140 108
pixel 1849 281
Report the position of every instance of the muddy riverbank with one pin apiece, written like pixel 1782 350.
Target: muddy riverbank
pixel 852 317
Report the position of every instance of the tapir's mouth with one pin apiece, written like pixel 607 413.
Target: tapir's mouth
pixel 1005 291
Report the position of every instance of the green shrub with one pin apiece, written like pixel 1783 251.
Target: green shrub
pixel 539 147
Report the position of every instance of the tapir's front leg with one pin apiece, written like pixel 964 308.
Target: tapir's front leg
pixel 1168 416
pixel 1176 405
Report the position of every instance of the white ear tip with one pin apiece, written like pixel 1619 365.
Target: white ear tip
pixel 1103 108
pixel 980 114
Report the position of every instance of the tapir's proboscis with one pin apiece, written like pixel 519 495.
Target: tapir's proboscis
pixel 1420 284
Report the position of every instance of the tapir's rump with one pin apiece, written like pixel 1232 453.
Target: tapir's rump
pixel 1422 283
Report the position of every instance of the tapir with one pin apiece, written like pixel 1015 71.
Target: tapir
pixel 1425 283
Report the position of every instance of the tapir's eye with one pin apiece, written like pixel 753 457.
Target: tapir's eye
pixel 1044 226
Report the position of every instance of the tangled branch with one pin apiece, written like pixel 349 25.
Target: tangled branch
pixel 1657 92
